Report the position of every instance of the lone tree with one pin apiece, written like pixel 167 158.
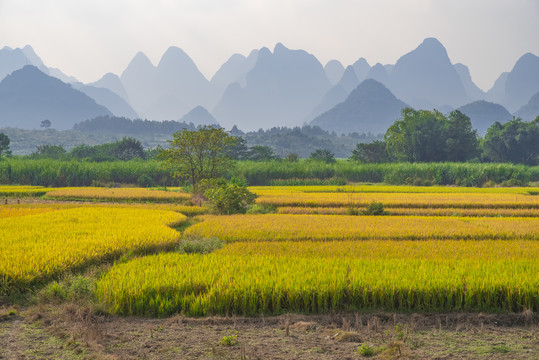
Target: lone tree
pixel 199 154
pixel 45 124
pixel 4 145
pixel 323 155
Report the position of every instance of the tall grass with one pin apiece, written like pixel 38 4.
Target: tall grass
pixel 56 173
pixel 462 174
pixel 305 172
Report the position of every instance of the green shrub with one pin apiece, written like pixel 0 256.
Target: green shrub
pixel 229 198
pixel 229 340
pixel 374 208
pixel 365 350
pixel 145 181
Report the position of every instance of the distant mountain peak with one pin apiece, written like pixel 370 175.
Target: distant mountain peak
pixel 426 78
pixel 279 47
pixel 334 71
pixel 140 59
pixel 362 67
pixel 175 57
pixel 199 116
pixel 370 107
pixel 429 48
pixel 379 73
pixel 349 79
pixel 432 42
pixel 522 82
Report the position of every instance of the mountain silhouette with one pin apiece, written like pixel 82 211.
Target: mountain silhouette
pixel 362 68
pixel 337 93
pixel 379 73
pixel 425 78
pixel 138 80
pixel 199 116
pixel 15 59
pixel 179 84
pixel 113 83
pixel 529 111
pixel 234 70
pixel 280 90
pixel 371 107
pixel 334 71
pixel 165 91
pixel 117 105
pixel 522 82
pixel 496 94
pixel 472 91
pixel 28 96
pixel 483 114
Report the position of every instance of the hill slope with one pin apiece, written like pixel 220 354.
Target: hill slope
pixel 371 107
pixel 28 96
pixel 483 114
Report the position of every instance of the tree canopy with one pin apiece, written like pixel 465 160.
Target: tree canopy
pixel 516 141
pixel 430 136
pixel 199 154
pixel 374 152
pixel 4 145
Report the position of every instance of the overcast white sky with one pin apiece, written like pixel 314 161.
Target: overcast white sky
pixel 88 38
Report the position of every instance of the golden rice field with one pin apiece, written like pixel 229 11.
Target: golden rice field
pixel 38 247
pixel 10 210
pixel 402 200
pixel 264 190
pixel 317 277
pixel 277 227
pixel 118 194
pixel 22 191
pixel 26 209
pixel 442 249
pixel 490 212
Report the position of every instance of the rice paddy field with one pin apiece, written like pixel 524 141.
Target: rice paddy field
pixel 437 249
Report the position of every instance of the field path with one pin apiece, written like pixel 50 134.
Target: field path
pixel 20 340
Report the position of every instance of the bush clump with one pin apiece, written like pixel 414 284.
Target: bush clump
pixel 229 197
pixel 374 208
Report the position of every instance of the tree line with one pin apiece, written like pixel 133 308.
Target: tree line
pixel 430 136
pixel 418 136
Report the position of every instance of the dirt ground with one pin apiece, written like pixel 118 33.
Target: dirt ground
pixel 70 331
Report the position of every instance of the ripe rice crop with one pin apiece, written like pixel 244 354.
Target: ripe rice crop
pixel 263 190
pixel 490 212
pixel 18 210
pixel 39 208
pixel 22 191
pixel 274 227
pixel 36 248
pixel 118 194
pixel 400 200
pixel 314 277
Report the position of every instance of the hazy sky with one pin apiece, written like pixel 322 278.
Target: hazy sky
pixel 88 38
